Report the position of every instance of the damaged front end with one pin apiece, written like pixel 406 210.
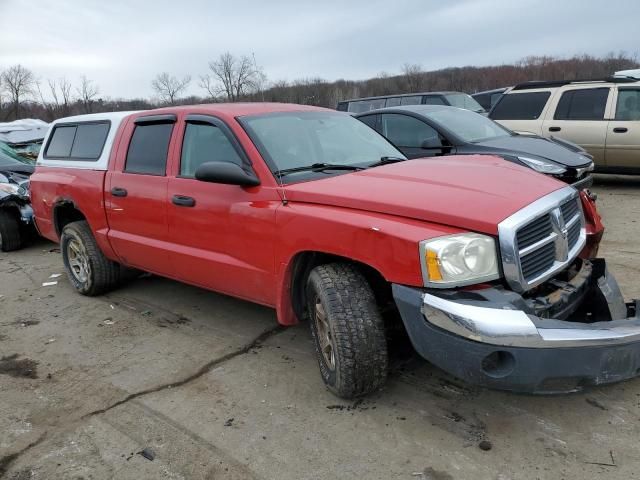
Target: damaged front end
pixel 572 331
pixel 15 207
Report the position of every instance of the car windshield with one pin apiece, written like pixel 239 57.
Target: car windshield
pixel 468 126
pixel 462 100
pixel 291 140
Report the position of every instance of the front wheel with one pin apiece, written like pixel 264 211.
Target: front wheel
pixel 89 271
pixel 347 329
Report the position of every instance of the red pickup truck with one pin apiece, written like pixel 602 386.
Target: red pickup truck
pixel 315 214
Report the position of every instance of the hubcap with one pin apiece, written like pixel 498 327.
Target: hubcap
pixel 78 260
pixel 325 339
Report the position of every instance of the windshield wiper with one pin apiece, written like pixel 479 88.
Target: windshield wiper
pixel 317 167
pixel 386 161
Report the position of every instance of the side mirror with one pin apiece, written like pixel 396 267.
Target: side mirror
pixel 431 143
pixel 227 173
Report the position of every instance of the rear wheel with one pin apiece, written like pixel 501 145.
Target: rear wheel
pixel 89 271
pixel 10 231
pixel 348 330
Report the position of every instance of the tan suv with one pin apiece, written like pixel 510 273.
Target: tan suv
pixel 602 116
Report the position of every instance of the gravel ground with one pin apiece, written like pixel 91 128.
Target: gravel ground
pixel 162 380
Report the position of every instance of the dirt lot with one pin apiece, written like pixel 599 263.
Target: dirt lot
pixel 215 389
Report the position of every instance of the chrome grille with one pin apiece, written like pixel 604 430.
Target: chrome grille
pixel 541 239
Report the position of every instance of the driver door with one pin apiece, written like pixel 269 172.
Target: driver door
pixel 413 137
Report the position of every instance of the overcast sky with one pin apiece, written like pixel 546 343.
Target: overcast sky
pixel 122 45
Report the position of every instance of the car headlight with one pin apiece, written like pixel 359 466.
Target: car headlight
pixel 9 188
pixel 457 260
pixel 543 166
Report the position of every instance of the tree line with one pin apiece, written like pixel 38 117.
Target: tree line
pixel 231 78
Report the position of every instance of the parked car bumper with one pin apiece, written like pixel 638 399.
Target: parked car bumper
pixel 486 337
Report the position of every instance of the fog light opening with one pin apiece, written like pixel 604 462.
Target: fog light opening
pixel 498 364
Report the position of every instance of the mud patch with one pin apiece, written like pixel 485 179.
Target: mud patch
pixel 23 368
pixel 26 322
pixel 3 338
pixel 432 474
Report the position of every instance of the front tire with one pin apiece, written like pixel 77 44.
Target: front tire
pixel 89 271
pixel 347 329
pixel 10 231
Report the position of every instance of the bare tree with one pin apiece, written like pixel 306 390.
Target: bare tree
pixel 169 87
pixel 413 76
pixel 87 91
pixel 18 83
pixel 232 77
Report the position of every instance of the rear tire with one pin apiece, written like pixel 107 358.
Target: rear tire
pixel 347 329
pixel 10 231
pixel 89 271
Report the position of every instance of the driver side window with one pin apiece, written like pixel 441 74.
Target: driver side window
pixel 203 143
pixel 406 131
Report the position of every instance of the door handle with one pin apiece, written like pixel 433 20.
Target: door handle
pixel 182 201
pixel 554 129
pixel 118 192
pixel 620 129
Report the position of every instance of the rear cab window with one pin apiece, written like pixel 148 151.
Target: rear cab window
pixel 77 141
pixel 520 106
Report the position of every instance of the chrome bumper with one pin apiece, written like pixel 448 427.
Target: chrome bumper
pixel 508 326
pixel 515 328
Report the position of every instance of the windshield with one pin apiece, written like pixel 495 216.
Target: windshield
pixel 290 140
pixel 8 156
pixel 462 100
pixel 468 126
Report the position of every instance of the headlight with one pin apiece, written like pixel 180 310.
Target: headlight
pixel 543 166
pixel 457 260
pixel 9 188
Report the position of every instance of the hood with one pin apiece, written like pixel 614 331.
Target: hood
pixel 538 146
pixel 474 192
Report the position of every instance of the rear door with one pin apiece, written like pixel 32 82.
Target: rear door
pixel 411 136
pixel 222 235
pixel 579 116
pixel 623 131
pixel 136 192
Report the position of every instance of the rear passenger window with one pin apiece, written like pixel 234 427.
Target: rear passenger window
pixel 366 105
pixel 520 106
pixel 434 100
pixel 393 101
pixel 415 100
pixel 82 141
pixel 205 143
pixel 61 141
pixel 148 149
pixel 586 104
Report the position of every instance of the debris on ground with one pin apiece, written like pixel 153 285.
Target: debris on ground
pixel 55 275
pixel 148 454
pixel 485 445
pixel 108 321
pixel 49 284
pixel 229 422
pixel 10 365
pixel 595 403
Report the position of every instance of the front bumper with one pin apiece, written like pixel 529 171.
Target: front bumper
pixel 491 337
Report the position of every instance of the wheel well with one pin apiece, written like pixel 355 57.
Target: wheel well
pixel 65 213
pixel 304 262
